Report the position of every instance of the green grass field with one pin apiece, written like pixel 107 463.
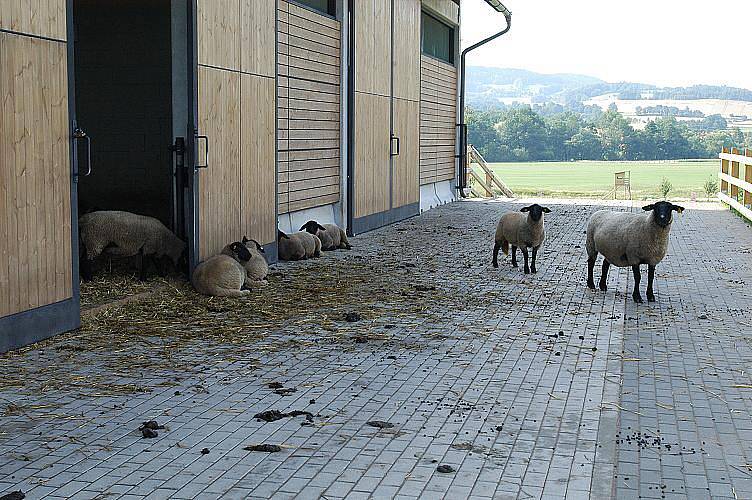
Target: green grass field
pixel 595 179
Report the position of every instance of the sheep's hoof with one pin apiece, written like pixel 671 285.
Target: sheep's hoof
pixel 602 286
pixel 637 298
pixel 533 270
pixel 514 264
pixel 496 264
pixel 527 271
pixel 591 285
pixel 651 297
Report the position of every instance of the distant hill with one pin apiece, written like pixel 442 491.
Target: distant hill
pixel 489 87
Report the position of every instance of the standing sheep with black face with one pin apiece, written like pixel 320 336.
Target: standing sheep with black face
pixel 627 239
pixel 520 229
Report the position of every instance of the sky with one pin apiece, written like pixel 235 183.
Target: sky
pixel 661 42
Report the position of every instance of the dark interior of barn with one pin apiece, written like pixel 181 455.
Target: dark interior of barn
pixel 123 80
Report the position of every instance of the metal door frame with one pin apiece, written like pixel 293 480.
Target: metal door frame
pixel 191 216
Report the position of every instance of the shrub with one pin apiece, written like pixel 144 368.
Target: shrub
pixel 665 187
pixel 711 186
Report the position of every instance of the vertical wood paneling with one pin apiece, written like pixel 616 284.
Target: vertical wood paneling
pixel 237 112
pixel 371 154
pixel 34 17
pixel 373 81
pixel 218 23
pixel 257 126
pixel 405 178
pixel 257 36
pixel 373 33
pixel 219 185
pixel 35 175
pixel 406 64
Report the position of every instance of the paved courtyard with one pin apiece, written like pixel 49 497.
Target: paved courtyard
pixel 526 386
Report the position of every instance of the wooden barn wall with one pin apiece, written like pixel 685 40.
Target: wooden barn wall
pixel 438 116
pixel 236 110
pixel 308 113
pixel 406 102
pixel 35 174
pixel 446 9
pixel 373 78
pixel 46 18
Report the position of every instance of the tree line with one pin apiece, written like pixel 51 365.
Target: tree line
pixel 523 134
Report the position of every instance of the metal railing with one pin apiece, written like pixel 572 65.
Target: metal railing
pixel 735 179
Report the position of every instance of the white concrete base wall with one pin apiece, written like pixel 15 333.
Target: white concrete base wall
pixel 327 214
pixel 433 195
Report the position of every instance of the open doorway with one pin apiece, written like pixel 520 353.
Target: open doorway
pixel 123 70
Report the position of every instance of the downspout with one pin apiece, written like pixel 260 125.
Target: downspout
pixel 499 7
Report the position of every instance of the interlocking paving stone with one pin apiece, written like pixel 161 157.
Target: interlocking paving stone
pixel 487 373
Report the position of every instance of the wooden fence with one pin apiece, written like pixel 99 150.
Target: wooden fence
pixel 488 183
pixel 736 180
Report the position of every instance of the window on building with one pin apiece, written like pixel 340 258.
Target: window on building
pixel 437 38
pixel 328 7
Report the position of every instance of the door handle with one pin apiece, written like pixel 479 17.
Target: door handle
pixel 206 151
pixel 397 149
pixel 78 135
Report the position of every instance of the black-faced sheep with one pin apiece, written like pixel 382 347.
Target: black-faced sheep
pixel 223 275
pixel 256 266
pixel 125 234
pixel 521 229
pixel 299 245
pixel 627 239
pixel 332 236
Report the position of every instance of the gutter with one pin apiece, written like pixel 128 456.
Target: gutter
pixel 498 7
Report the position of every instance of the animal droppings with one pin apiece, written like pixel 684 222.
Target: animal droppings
pixel 266 448
pixel 380 424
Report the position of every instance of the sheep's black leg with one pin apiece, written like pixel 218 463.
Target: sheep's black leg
pixel 590 266
pixel 514 256
pixel 142 265
pixel 158 265
pixel 84 264
pixel 532 262
pixel 604 275
pixel 636 294
pixel 651 277
pixel 525 255
pixel 495 261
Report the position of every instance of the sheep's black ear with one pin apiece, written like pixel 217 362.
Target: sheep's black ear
pixel 258 246
pixel 245 239
pixel 677 208
pixel 320 227
pixel 525 209
pixel 304 227
pixel 648 208
pixel 546 210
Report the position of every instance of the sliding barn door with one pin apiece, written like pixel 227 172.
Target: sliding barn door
pixel 387 109
pixel 236 123
pixel 38 277
pixel 371 169
pixel 406 106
